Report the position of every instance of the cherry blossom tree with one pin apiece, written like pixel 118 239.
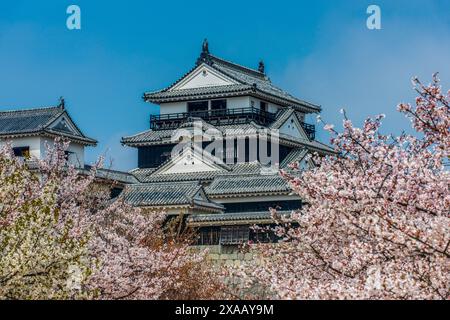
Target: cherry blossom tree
pixel 375 222
pixel 62 237
pixel 43 238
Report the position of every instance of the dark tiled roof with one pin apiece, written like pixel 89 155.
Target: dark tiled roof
pixel 113 175
pixel 249 82
pixel 254 184
pixel 263 83
pixel 148 175
pixel 296 155
pixel 142 173
pixel 38 121
pixel 246 168
pixel 27 121
pixel 200 93
pixel 233 218
pixel 167 194
pixel 189 176
pixel 282 116
pixel 164 136
pixel 313 145
pixel 150 137
pixel 161 194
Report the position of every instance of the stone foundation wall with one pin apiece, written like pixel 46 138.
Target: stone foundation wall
pixel 226 255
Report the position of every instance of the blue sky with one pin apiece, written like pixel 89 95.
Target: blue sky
pixel 318 50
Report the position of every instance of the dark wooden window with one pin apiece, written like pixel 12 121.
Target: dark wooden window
pixel 263 106
pixel 151 157
pixel 262 206
pixel 263 235
pixel 197 106
pixel 219 104
pixel 234 235
pixel 115 192
pixel 22 152
pixel 208 236
pixel 68 154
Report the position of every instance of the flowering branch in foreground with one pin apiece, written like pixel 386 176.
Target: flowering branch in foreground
pixel 375 222
pixel 62 237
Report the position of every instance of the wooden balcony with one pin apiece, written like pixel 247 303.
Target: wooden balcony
pixel 172 121
pixel 219 117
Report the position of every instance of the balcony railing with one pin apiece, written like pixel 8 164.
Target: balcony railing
pixel 220 117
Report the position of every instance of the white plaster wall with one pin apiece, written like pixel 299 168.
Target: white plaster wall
pixel 189 163
pixel 38 148
pixel 232 103
pixel 238 102
pixel 203 77
pixel 77 158
pixel 33 142
pixel 173 107
pixel 273 108
pixel 291 128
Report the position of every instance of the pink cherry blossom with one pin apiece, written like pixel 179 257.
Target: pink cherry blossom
pixel 62 237
pixel 375 222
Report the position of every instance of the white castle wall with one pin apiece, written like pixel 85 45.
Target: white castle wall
pixel 38 148
pixel 33 142
pixel 232 103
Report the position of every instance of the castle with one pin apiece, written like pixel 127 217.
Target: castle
pixel 212 155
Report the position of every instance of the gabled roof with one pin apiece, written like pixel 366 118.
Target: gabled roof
pixel 260 217
pixel 195 153
pixel 249 82
pixel 282 116
pixel 45 121
pixel 154 137
pixel 241 169
pixel 247 185
pixel 296 155
pixel 168 194
pixel 113 175
pixel 144 176
pixel 158 137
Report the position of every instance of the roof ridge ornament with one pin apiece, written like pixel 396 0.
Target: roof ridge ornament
pixel 261 66
pixel 204 55
pixel 62 103
pixel 205 46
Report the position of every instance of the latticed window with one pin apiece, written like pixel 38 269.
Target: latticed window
pixel 208 236
pixel 234 235
pixel 219 104
pixel 262 236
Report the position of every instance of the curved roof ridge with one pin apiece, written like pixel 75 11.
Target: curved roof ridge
pixel 38 109
pixel 252 71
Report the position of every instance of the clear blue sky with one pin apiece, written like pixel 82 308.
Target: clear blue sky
pixel 318 50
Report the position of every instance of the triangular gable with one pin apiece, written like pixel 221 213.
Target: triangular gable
pixel 203 76
pixel 65 124
pixel 306 164
pixel 190 161
pixel 300 157
pixel 293 127
pixel 201 195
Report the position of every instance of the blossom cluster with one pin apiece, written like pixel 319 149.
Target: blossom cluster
pixel 62 237
pixel 375 222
